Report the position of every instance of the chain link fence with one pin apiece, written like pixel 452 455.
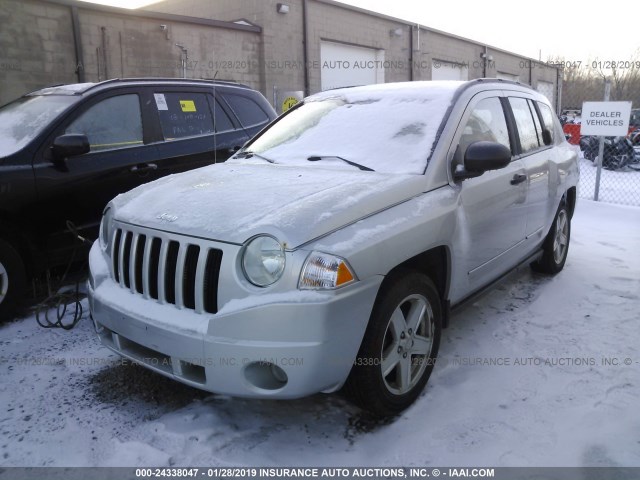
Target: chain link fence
pixel 613 176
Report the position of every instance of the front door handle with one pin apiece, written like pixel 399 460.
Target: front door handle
pixel 144 167
pixel 518 178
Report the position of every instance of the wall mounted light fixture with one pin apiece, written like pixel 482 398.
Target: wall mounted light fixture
pixel 282 8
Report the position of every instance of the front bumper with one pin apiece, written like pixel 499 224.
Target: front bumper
pixel 286 346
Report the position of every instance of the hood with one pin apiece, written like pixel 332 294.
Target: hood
pixel 233 202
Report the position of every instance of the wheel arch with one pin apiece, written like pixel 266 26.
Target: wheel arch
pixel 571 197
pixel 435 263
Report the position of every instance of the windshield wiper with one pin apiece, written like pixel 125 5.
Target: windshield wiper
pixel 354 164
pixel 249 154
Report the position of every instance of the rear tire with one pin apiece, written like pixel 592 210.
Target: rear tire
pixel 400 346
pixel 556 246
pixel 12 280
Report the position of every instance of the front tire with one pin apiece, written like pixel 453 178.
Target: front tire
pixel 12 279
pixel 556 246
pixel 400 346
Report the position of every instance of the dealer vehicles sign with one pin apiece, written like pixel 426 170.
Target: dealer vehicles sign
pixel 605 118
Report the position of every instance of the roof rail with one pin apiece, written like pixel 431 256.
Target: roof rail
pixel 42 88
pixel 499 80
pixel 165 79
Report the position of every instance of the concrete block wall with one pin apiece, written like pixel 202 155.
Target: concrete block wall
pixel 283 44
pixel 36 47
pixel 327 20
pixel 281 51
pixel 137 47
pixel 431 45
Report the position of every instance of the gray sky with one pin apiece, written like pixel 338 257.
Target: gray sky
pixel 579 31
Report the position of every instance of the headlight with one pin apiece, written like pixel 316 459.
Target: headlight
pixel 263 260
pixel 105 228
pixel 322 271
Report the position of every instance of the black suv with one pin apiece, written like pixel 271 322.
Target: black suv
pixel 65 151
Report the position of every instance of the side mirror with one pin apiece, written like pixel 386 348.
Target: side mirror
pixel 546 137
pixel 481 157
pixel 70 145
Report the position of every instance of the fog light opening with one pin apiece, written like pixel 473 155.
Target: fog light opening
pixel 265 375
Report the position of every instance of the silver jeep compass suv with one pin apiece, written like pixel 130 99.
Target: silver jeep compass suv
pixel 330 250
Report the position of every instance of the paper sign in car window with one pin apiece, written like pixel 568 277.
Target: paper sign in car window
pixel 161 102
pixel 187 105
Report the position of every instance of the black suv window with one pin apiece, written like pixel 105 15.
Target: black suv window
pixel 112 123
pixel 524 121
pixel 248 112
pixel 22 120
pixel 221 120
pixel 184 115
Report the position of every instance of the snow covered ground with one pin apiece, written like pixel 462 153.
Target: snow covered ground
pixel 539 372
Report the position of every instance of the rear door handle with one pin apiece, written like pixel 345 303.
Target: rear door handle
pixel 518 178
pixel 144 167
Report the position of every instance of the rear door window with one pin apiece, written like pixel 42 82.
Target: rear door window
pixel 183 115
pixel 525 123
pixel 248 111
pixel 112 123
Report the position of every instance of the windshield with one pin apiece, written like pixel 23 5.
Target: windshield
pixel 389 133
pixel 22 120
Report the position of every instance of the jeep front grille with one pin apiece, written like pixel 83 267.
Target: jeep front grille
pixel 170 270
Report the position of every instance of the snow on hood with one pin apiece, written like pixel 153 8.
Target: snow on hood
pixel 232 203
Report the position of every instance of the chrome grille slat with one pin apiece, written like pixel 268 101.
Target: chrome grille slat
pixel 132 262
pixel 145 266
pixel 162 263
pixel 167 268
pixel 200 273
pixel 121 261
pixel 114 255
pixel 179 276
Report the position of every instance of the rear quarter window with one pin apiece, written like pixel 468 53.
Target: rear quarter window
pixel 548 120
pixel 221 120
pixel 247 110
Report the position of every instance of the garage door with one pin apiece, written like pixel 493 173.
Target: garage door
pixel 441 70
pixel 348 65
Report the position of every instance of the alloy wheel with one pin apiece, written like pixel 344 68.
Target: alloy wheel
pixel 407 344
